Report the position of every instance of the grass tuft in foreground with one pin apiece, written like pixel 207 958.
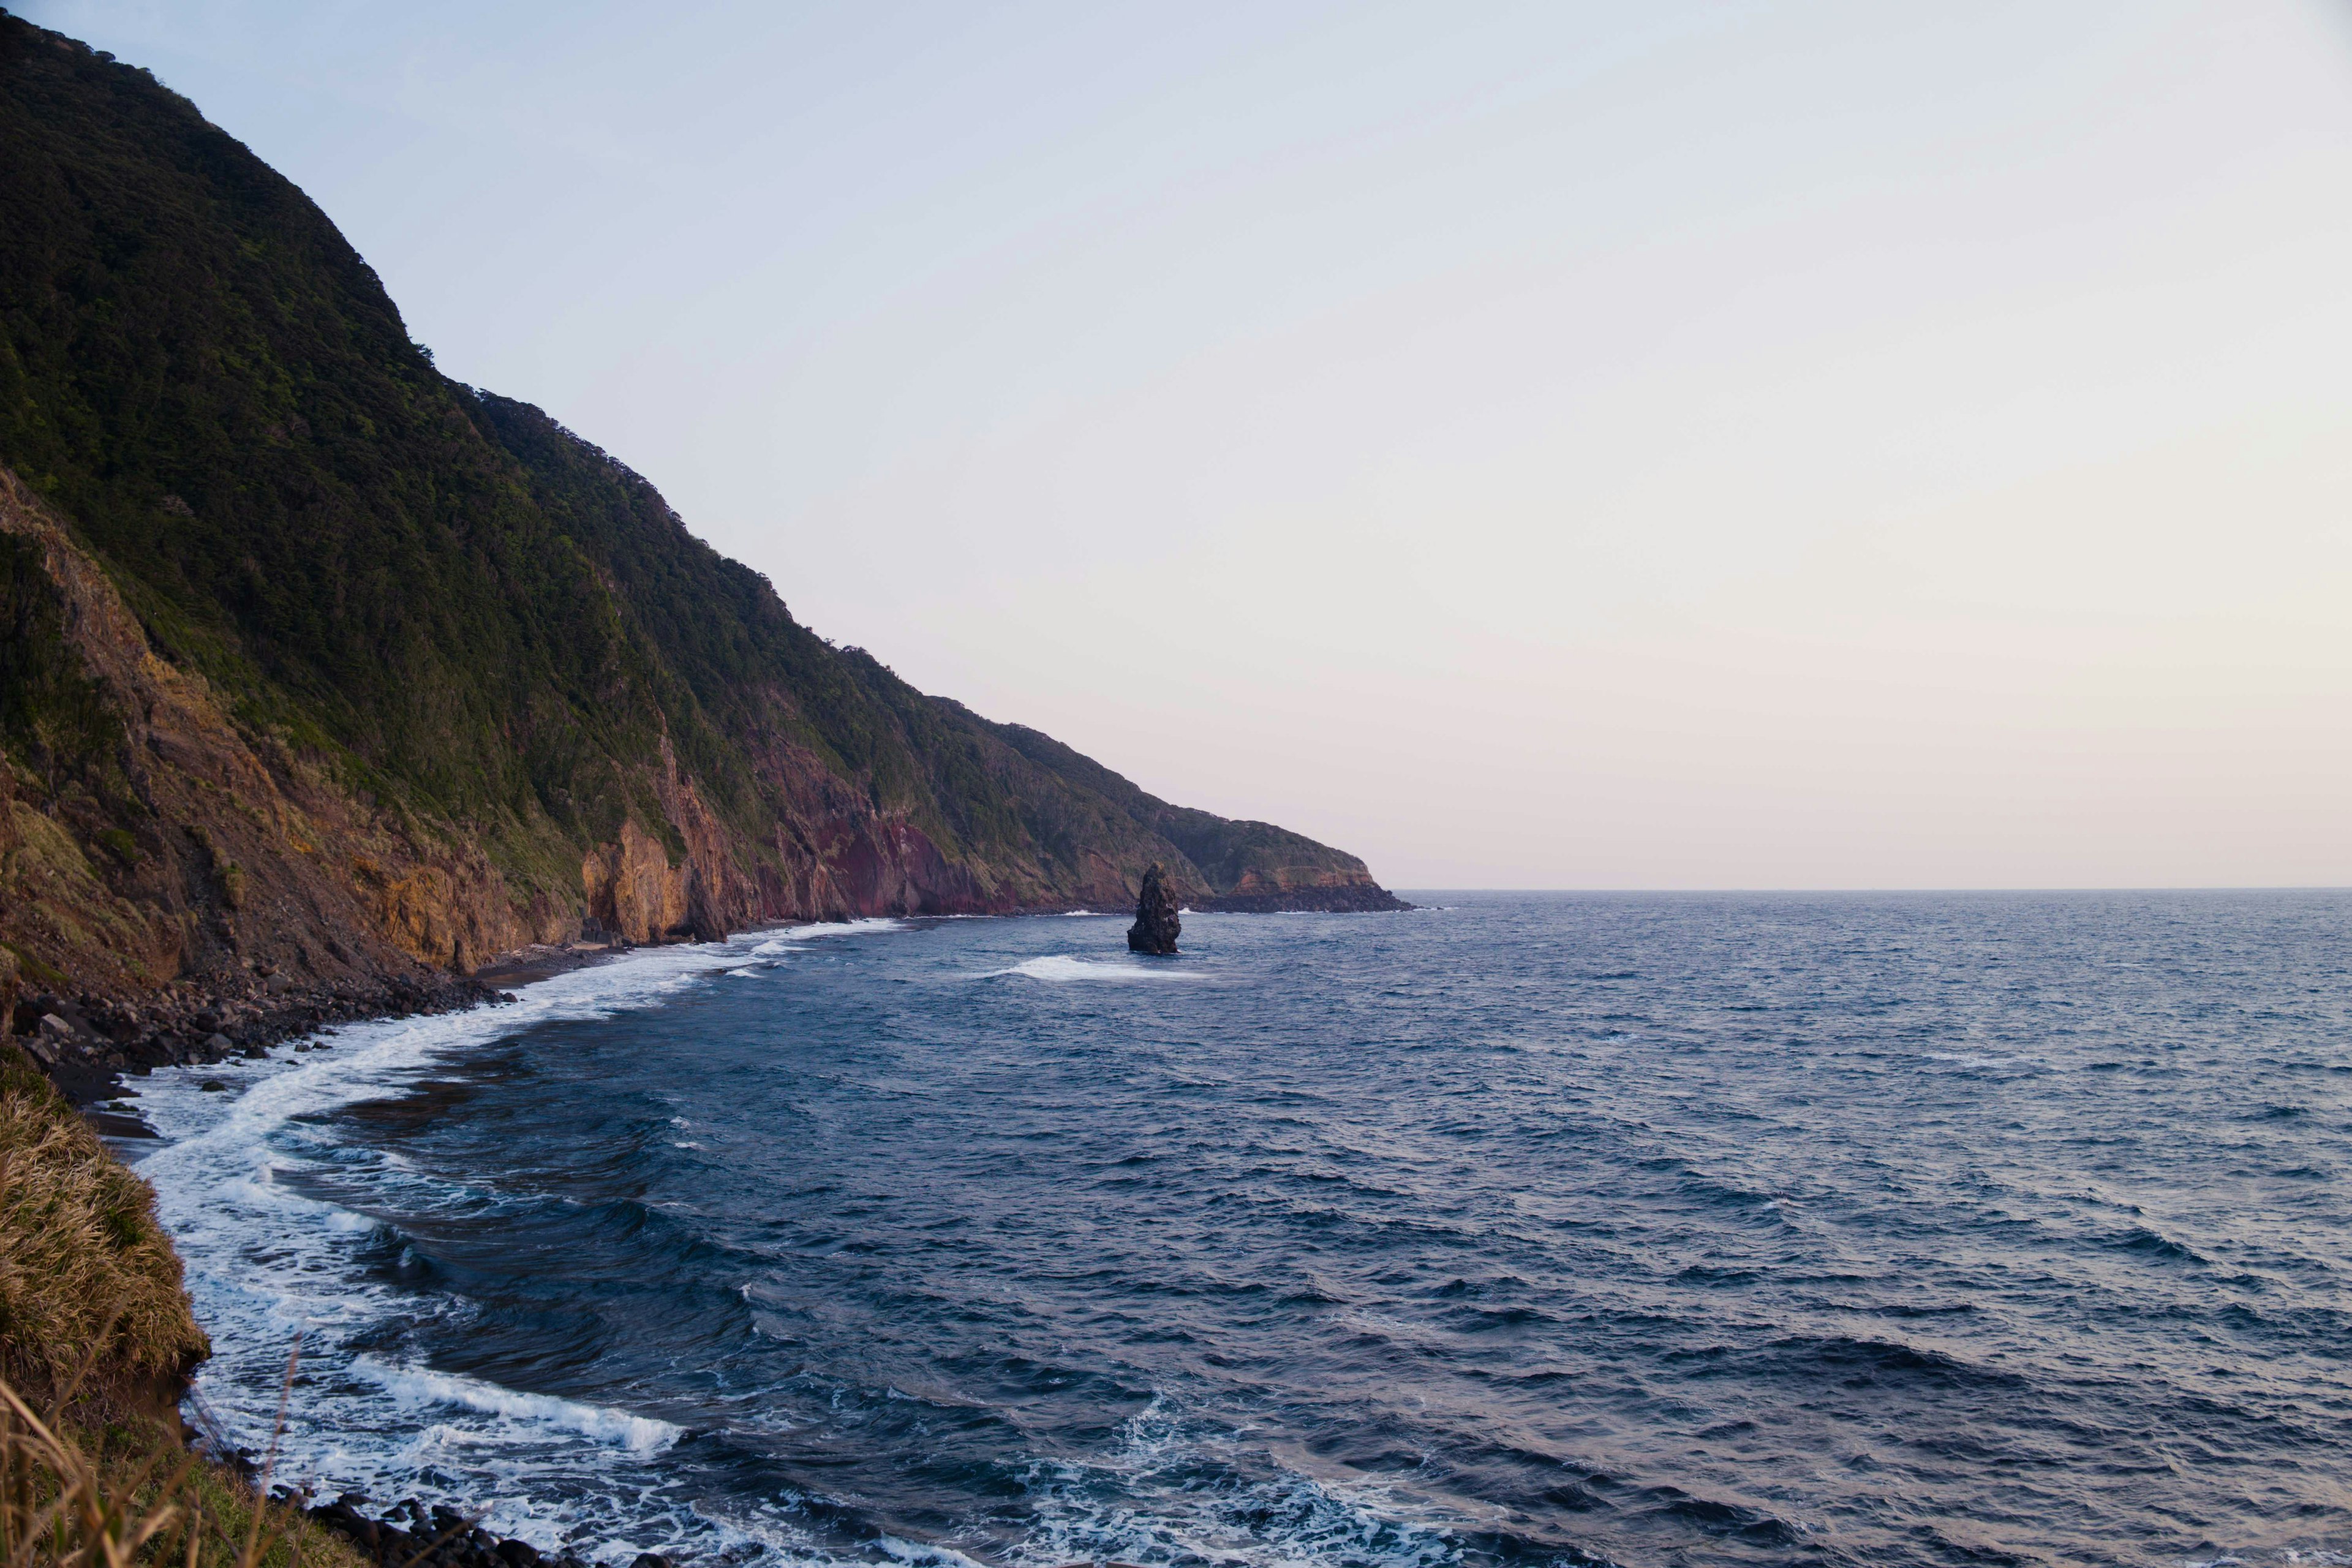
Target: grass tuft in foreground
pixel 97 1340
pixel 118 1496
pixel 89 1287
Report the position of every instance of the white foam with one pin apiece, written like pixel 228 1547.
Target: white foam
pixel 1962 1060
pixel 917 1556
pixel 1064 968
pixel 873 925
pixel 264 1262
pixel 1158 1466
pixel 414 1386
pixel 776 944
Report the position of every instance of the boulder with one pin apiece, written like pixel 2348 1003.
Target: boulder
pixel 1156 927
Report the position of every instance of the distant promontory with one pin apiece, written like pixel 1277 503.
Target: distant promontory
pixel 329 679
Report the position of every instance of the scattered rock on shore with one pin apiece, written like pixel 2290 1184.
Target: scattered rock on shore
pixel 86 1045
pixel 439 1538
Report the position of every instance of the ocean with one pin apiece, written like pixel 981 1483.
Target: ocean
pixel 1672 1229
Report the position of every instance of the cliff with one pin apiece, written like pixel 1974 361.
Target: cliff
pixel 324 679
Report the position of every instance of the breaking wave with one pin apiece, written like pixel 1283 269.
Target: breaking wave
pixel 1554 1231
pixel 1063 968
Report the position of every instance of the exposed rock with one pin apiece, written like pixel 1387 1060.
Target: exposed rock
pixel 409 1536
pixel 199 861
pixel 1156 926
pixel 180 845
pixel 247 809
pixel 85 1044
pixel 633 890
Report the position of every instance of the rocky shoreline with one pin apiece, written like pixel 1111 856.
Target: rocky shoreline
pixel 87 1044
pixel 409 1535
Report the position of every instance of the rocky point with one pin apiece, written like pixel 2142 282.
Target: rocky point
pixel 1156 927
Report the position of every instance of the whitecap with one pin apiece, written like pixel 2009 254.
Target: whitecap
pixel 1276 1520
pixel 266 1262
pixel 872 925
pixel 413 1386
pixel 1063 968
pixel 917 1554
pixel 775 944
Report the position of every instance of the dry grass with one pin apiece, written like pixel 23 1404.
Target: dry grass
pixel 89 1282
pixel 120 1497
pixel 96 1342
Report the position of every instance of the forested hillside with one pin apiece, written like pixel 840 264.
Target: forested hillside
pixel 316 662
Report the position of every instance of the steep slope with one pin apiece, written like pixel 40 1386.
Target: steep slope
pixel 323 672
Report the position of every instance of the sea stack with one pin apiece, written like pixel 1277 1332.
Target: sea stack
pixel 1156 927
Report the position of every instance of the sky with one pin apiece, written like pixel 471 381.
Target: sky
pixel 1634 444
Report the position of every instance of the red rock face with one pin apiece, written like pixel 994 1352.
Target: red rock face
pixel 197 850
pixel 482 687
pixel 632 889
pixel 187 848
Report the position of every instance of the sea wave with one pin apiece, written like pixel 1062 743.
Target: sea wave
pixel 942 1241
pixel 870 925
pixel 1065 968
pixel 1963 1059
pixel 268 1262
pixel 411 1386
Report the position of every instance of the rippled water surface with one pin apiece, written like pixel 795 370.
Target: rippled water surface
pixel 1885 1230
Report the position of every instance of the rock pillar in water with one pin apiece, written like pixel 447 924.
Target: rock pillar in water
pixel 1156 927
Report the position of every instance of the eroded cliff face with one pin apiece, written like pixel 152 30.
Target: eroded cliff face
pixel 830 854
pixel 145 838
pixel 324 679
pixel 634 892
pixel 150 839
pixel 177 883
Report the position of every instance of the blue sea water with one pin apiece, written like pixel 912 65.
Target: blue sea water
pixel 1517 1229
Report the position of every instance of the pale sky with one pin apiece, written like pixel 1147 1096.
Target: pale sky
pixel 1641 445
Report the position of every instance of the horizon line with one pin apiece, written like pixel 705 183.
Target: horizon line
pixel 1716 892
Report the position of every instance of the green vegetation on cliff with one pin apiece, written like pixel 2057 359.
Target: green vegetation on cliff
pixel 471 675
